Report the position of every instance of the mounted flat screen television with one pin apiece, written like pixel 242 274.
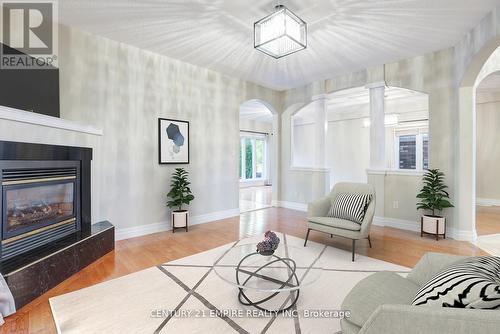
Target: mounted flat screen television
pixel 34 90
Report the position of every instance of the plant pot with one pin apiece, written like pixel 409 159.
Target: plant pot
pixel 180 219
pixel 435 225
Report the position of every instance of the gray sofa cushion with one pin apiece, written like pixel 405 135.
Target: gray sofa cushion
pixel 348 327
pixel 375 290
pixel 336 222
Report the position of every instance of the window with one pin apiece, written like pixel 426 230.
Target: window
pixel 407 152
pixel 248 158
pixel 412 151
pixel 259 158
pixel 425 151
pixel 252 157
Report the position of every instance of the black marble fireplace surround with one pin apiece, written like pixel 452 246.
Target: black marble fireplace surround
pixel 37 270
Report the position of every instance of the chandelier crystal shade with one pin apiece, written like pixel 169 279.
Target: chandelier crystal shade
pixel 280 34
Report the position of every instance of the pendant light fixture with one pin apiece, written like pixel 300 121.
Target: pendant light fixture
pixel 280 33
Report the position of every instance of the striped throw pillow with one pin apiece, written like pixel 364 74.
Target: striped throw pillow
pixel 350 207
pixel 473 283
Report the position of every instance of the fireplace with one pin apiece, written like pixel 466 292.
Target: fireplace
pixel 40 203
pixel 44 198
pixel 46 230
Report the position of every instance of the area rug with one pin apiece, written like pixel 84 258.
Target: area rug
pixel 186 296
pixel 489 243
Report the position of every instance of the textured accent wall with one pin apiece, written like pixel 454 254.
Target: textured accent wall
pixel 123 90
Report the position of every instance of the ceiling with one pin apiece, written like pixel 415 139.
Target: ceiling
pixel 353 97
pixel 354 103
pixel 344 35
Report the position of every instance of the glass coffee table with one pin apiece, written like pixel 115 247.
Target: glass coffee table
pixel 269 282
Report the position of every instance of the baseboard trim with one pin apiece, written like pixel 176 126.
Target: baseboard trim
pixel 462 235
pixel 137 231
pixel 401 224
pixel 291 205
pixel 413 226
pixel 487 202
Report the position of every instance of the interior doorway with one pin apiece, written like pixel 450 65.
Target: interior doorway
pixel 487 162
pixel 256 156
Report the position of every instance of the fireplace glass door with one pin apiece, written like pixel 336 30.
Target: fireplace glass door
pixel 39 203
pixel 33 206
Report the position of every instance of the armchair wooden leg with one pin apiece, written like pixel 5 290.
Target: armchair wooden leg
pixel 307 236
pixel 353 248
pixel 369 242
pixel 331 235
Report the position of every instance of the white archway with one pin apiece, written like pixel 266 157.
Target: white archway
pixel 274 138
pixel 486 62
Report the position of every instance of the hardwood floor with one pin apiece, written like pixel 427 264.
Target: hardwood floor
pixel 393 245
pixel 488 220
pixel 255 198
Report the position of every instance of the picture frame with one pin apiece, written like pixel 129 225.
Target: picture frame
pixel 173 141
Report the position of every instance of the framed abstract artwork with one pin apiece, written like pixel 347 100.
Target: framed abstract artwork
pixel 173 139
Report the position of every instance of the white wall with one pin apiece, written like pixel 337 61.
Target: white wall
pixel 488 151
pixel 348 152
pixel 304 145
pixel 348 145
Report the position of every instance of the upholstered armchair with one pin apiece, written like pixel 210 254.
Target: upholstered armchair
pixel 317 211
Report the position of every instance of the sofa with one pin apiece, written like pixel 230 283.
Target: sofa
pixel 381 304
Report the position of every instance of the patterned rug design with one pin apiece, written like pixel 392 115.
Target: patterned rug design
pixel 186 296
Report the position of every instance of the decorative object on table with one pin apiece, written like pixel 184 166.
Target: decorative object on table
pixel 268 283
pixel 433 198
pixel 173 141
pixel 179 194
pixel 269 244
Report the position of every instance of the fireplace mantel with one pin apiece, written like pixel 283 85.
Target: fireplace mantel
pixel 29 117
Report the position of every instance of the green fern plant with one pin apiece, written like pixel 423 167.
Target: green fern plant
pixel 433 196
pixel 180 192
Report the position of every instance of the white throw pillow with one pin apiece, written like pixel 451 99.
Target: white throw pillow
pixel 472 283
pixel 350 207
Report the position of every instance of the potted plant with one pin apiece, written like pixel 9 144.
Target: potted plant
pixel 433 198
pixel 179 194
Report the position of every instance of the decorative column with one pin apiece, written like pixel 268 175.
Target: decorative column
pixel 320 141
pixel 377 126
pixel 321 130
